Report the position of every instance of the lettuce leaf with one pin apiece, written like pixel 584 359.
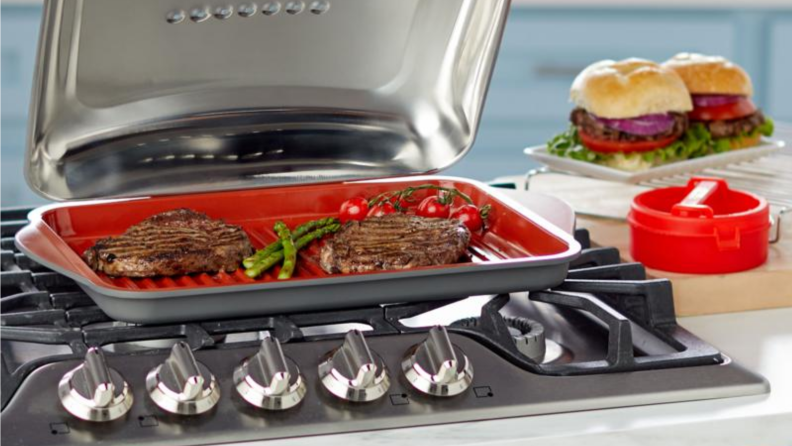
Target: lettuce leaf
pixel 725 144
pixel 767 128
pixel 696 142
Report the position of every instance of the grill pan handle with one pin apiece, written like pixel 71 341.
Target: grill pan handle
pixel 39 241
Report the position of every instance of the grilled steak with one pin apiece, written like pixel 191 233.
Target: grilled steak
pixel 597 129
pixel 176 242
pixel 735 127
pixel 395 241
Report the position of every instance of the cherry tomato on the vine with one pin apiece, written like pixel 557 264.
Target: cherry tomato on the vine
pixel 382 209
pixel 470 216
pixel 431 207
pixel 353 209
pixel 400 203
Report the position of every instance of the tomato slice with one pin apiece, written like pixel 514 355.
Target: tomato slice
pixel 602 146
pixel 741 108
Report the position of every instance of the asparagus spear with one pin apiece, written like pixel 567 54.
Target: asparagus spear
pixel 289 252
pixel 276 246
pixel 263 265
pixel 276 257
pixel 262 254
pixel 303 241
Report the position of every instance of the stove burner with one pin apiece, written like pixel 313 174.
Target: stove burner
pixel 553 351
pixel 528 335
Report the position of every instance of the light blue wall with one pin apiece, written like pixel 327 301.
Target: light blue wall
pixel 543 50
pixel 19 28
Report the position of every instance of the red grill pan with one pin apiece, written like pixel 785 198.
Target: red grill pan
pixel 520 251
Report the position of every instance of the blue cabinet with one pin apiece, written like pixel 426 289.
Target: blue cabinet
pixel 543 52
pixel 498 149
pixel 779 102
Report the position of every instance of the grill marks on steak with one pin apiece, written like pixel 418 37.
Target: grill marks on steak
pixel 172 243
pixel 735 127
pixel 394 242
pixel 596 129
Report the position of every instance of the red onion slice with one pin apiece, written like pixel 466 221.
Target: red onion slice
pixel 642 125
pixel 714 100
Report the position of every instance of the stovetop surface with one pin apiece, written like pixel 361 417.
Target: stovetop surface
pixel 610 339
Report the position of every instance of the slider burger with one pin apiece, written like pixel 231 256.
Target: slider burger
pixel 721 93
pixel 629 115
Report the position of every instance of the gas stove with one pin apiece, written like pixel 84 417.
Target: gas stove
pixel 607 337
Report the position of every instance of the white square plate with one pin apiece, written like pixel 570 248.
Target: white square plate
pixel 593 170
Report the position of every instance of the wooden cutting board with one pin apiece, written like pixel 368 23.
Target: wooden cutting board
pixel 768 286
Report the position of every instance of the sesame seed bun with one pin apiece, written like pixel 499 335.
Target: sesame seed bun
pixel 710 74
pixel 629 88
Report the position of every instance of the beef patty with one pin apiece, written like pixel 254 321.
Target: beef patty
pixel 172 243
pixel 596 129
pixel 735 127
pixel 395 241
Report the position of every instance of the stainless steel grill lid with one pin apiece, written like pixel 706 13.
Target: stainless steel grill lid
pixel 150 97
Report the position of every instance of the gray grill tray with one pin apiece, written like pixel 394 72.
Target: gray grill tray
pixel 152 307
pixel 535 272
pixel 325 294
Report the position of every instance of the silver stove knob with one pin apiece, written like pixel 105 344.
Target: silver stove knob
pixel 352 372
pixel 93 391
pixel 269 379
pixel 437 367
pixel 181 385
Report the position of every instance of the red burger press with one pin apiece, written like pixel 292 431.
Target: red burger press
pixel 704 228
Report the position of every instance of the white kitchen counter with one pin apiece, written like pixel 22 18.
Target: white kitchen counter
pixel 760 340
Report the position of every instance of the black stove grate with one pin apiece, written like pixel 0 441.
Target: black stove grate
pixel 42 307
